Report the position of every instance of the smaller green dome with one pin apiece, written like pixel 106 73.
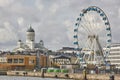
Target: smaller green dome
pixel 30 29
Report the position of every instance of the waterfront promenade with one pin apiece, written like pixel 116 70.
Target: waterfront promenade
pixel 74 76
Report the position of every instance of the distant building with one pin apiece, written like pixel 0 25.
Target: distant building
pixel 56 61
pixel 62 59
pixel 66 50
pixel 22 62
pixel 114 56
pixel 30 44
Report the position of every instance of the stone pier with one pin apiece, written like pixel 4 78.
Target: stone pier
pixel 74 76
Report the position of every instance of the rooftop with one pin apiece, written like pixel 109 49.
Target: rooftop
pixel 30 29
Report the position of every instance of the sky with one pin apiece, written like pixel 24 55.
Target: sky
pixel 52 20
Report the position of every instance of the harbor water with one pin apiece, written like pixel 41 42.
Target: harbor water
pixel 27 78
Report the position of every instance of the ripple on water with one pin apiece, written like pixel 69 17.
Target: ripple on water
pixel 26 78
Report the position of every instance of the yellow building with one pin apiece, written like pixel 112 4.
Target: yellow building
pixel 44 62
pixel 21 62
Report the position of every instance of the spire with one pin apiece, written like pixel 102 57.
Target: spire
pixel 30 29
pixel 30 26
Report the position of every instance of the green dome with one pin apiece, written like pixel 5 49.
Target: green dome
pixel 30 29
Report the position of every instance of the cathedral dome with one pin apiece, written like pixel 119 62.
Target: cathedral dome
pixel 30 29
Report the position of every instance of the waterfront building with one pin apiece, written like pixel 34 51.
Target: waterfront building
pixel 114 56
pixel 30 44
pixel 44 61
pixel 22 62
pixel 56 61
pixel 68 51
pixel 3 61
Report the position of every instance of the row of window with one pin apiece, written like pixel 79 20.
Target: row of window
pixel 113 57
pixel 116 45
pixel 15 60
pixel 3 60
pixel 114 53
pixel 115 50
pixel 115 61
pixel 61 60
pixel 20 61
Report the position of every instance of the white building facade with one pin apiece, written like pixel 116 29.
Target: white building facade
pixel 67 50
pixel 114 56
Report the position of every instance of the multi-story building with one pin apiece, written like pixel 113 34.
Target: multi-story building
pixel 22 62
pixel 3 61
pixel 66 50
pixel 56 61
pixel 61 59
pixel 114 56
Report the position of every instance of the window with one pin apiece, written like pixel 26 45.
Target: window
pixel 21 60
pixel 9 60
pixel 63 67
pixel 31 61
pixel 15 60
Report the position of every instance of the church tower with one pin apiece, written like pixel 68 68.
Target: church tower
pixel 30 37
pixel 19 43
pixel 41 43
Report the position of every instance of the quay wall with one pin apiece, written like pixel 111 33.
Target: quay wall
pixel 74 76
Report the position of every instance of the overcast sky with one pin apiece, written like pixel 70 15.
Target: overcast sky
pixel 52 20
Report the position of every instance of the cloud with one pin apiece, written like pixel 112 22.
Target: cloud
pixel 7 33
pixel 39 5
pixel 53 20
pixel 67 23
pixel 4 3
pixel 69 26
pixel 20 21
pixel 119 13
pixel 54 8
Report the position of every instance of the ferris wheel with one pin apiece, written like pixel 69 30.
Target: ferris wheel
pixel 92 36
